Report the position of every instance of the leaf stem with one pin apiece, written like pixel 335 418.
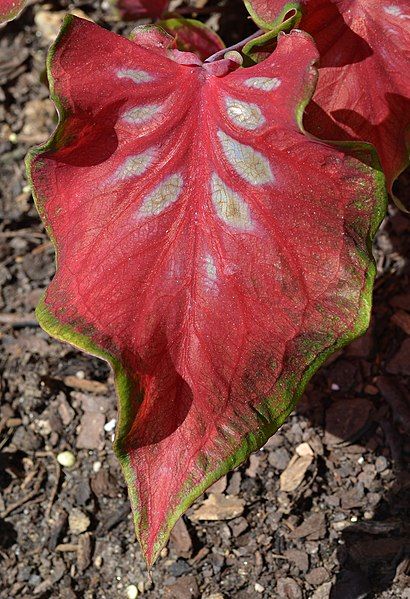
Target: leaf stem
pixel 206 10
pixel 237 46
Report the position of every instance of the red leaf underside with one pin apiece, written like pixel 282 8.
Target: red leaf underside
pixel 10 9
pixel 206 247
pixel 138 9
pixel 193 36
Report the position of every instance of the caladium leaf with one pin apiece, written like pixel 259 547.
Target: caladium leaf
pixel 138 9
pixel 193 36
pixel 363 91
pixel 10 9
pixel 207 248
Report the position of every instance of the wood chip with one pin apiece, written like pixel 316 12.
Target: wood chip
pixel 84 552
pixel 400 363
pixel 219 507
pixel 219 486
pixel 346 419
pixel 396 398
pixel 322 592
pixel 299 558
pixel 91 435
pixel 402 320
pixel 352 498
pixel 295 472
pixel 104 484
pixel 65 411
pixel 49 23
pixel 378 550
pixel 57 528
pixel 180 539
pixel 85 385
pixel 287 588
pixel 304 449
pixel 185 587
pixel 252 469
pixel 78 521
pixel 66 548
pixel 312 528
pixel 317 576
pixel 234 486
pixel 114 519
pixel 202 553
pixel 19 320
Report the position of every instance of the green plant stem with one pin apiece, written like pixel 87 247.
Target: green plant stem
pixel 238 46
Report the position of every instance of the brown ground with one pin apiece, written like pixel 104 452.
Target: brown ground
pixel 67 533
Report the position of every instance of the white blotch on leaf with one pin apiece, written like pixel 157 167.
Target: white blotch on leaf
pixel 229 205
pixel 245 115
pixel 395 11
pixel 266 84
pixel 210 269
pixel 250 164
pixel 134 165
pixel 141 114
pixel 136 76
pixel 164 194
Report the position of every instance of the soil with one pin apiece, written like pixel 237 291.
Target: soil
pixel 320 512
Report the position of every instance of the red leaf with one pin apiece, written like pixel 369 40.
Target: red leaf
pixel 206 248
pixel 10 9
pixel 363 91
pixel 193 36
pixel 137 9
pixel 364 87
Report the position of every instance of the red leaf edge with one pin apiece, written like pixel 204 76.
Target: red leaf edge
pixel 10 9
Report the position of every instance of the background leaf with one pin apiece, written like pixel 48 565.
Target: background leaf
pixel 363 91
pixel 137 9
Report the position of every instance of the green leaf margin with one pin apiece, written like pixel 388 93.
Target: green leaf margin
pixel 127 389
pixel 268 25
pixel 250 50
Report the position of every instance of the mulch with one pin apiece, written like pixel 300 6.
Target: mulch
pixel 322 511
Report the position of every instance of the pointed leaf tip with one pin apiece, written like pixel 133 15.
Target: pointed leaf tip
pixel 10 9
pixel 207 248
